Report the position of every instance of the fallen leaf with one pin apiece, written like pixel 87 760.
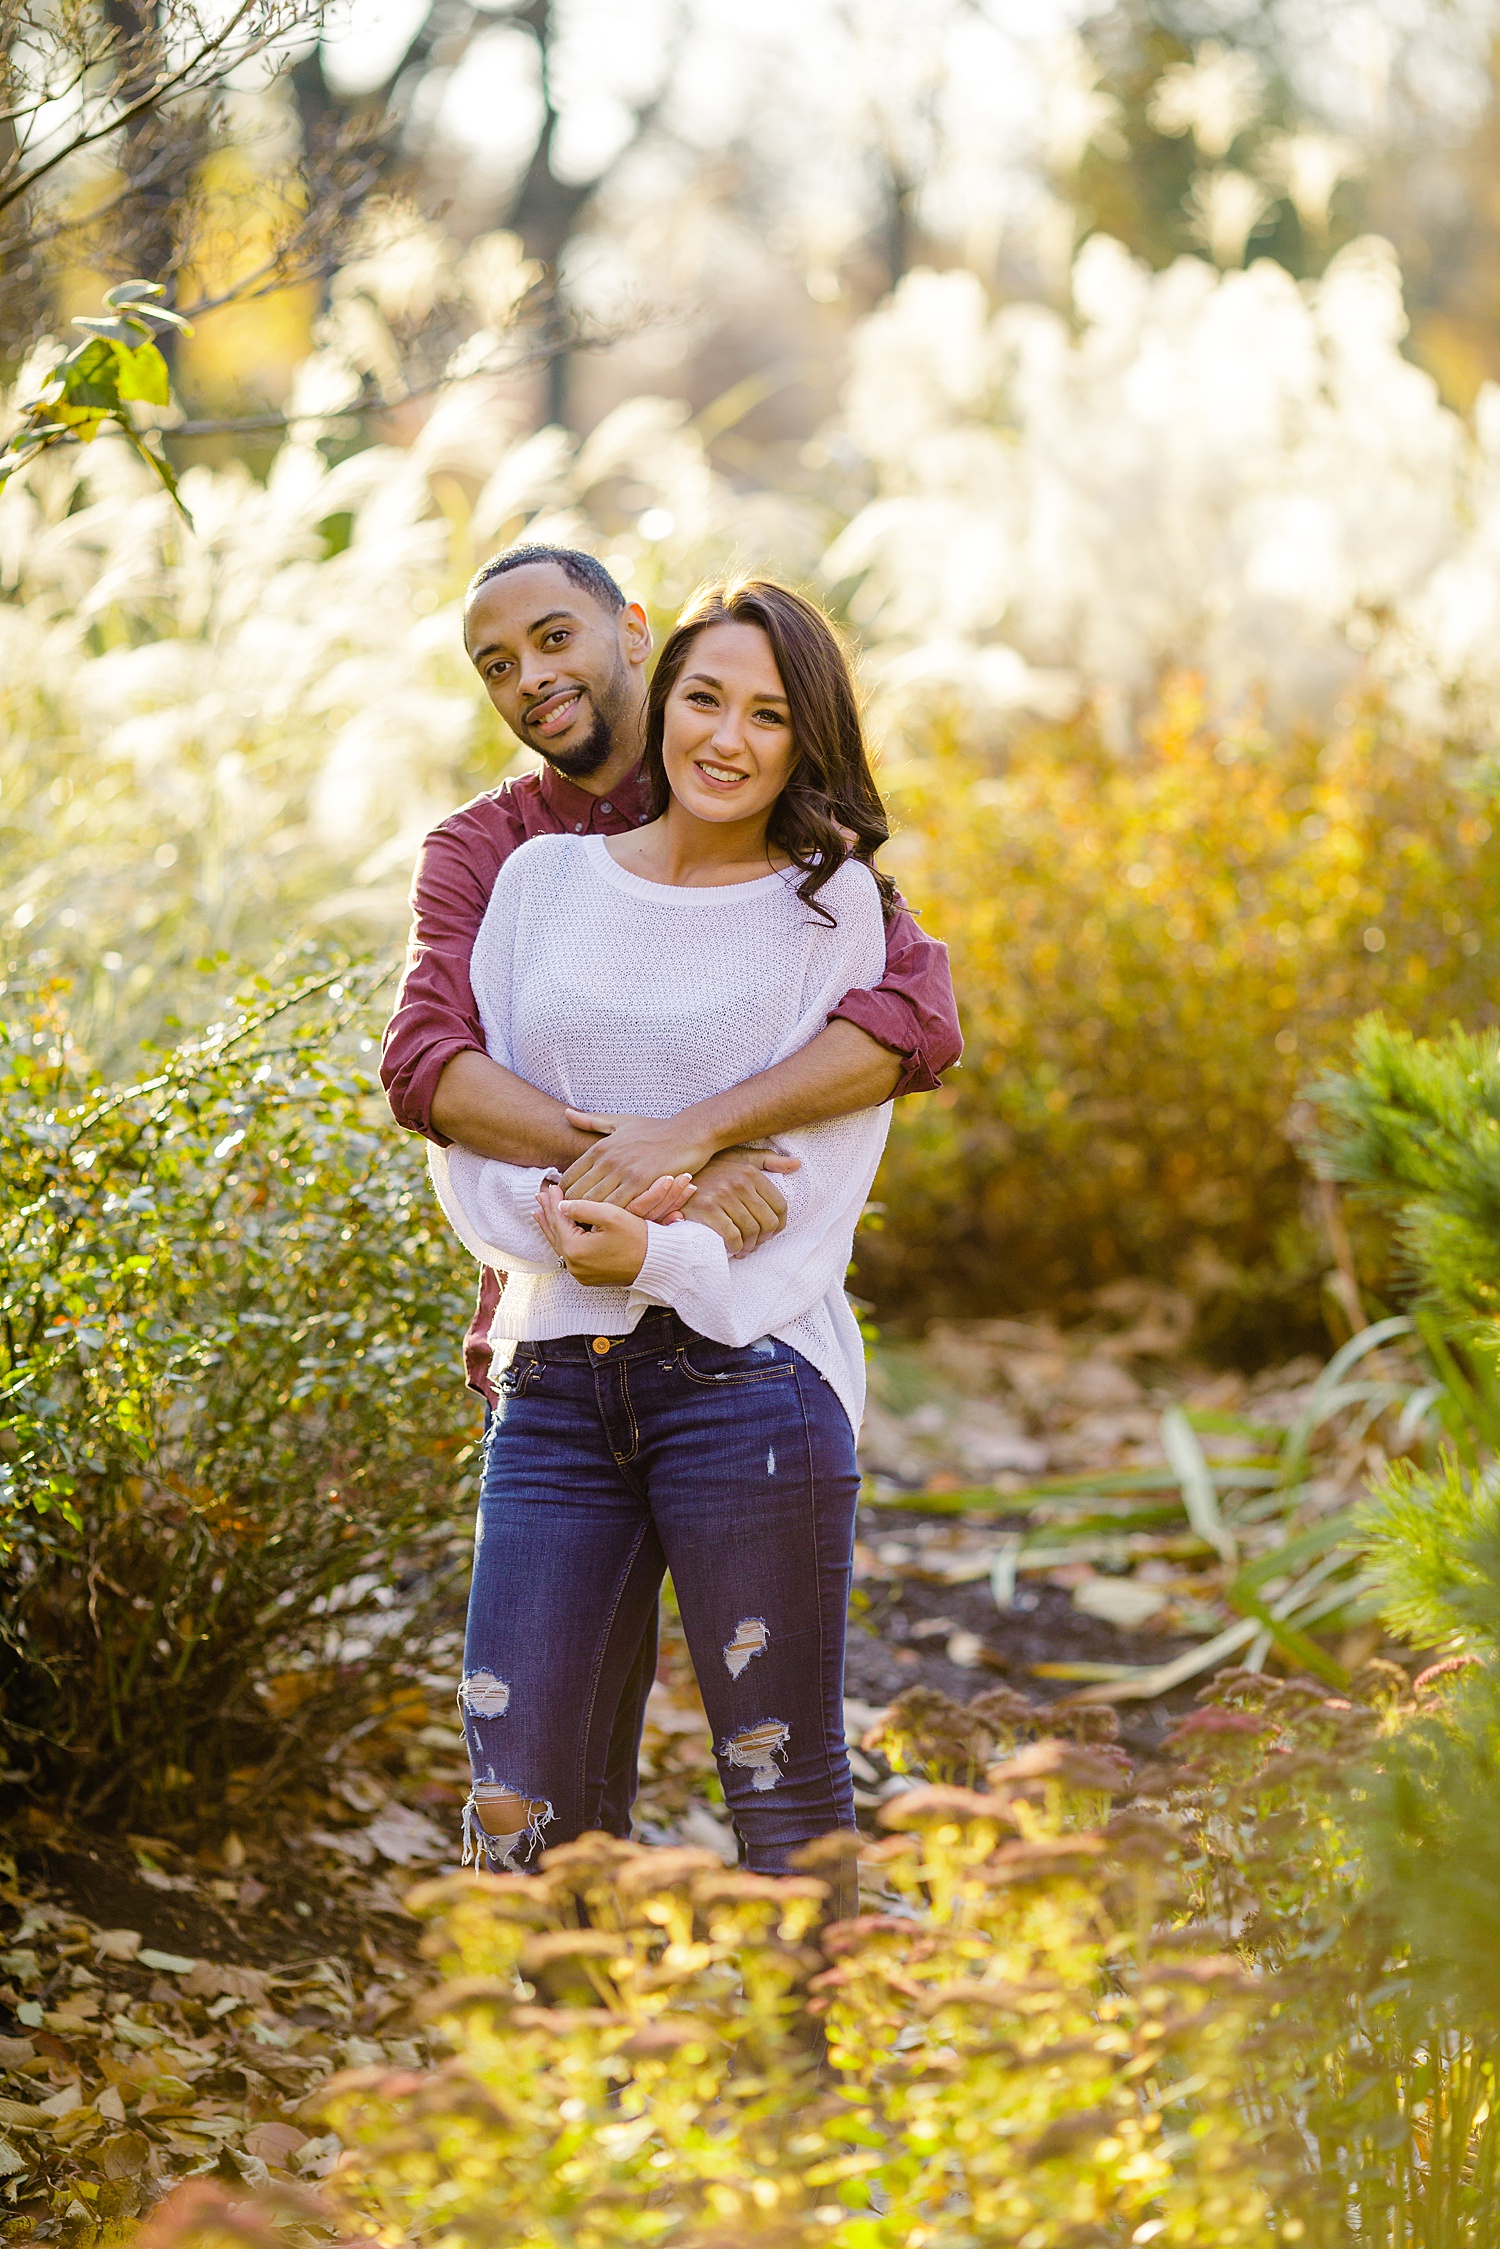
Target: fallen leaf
pixel 170 1963
pixel 209 1980
pixel 117 1944
pixel 123 2156
pixel 12 2162
pixel 23 2112
pixel 63 2103
pixel 110 2105
pixel 318 2157
pixel 406 1837
pixel 350 1842
pixel 274 2143
pixel 15 2051
pixel 1123 1601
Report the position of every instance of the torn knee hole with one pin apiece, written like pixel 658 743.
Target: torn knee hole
pixel 484 1696
pixel 751 1638
pixel 756 1748
pixel 504 1811
pixel 500 1825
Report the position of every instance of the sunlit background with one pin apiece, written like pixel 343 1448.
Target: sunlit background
pixel 1121 378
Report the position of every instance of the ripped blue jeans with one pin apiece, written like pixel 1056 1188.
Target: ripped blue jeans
pixel 610 1460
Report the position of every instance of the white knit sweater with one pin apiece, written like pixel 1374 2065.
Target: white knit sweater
pixel 613 993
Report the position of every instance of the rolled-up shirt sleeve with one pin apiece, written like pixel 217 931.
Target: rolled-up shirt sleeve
pixel 435 1016
pixel 911 1010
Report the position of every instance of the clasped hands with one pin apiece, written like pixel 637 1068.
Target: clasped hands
pixel 651 1168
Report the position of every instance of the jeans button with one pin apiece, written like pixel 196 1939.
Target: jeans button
pixel 601 1344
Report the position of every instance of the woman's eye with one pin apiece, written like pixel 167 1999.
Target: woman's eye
pixel 771 718
pixel 701 697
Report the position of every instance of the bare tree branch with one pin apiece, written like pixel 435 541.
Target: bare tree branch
pixel 173 86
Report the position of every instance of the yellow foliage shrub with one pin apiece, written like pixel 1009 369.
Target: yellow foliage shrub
pixel 637 2057
pixel 1153 950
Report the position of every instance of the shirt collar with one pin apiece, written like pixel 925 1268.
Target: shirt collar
pixel 578 810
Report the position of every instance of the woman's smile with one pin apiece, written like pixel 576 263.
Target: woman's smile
pixel 719 776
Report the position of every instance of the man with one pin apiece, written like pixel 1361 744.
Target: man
pixel 563 656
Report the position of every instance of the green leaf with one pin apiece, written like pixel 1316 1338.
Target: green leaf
pixel 143 375
pixel 162 467
pixel 89 376
pixel 122 330
pixel 1199 1495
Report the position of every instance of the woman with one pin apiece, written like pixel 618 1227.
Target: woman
pixel 666 1407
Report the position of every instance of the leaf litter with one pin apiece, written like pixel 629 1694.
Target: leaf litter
pixel 1079 1510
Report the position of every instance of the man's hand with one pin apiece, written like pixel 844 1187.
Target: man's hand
pixel 600 1245
pixel 738 1198
pixel 630 1155
pixel 634 1156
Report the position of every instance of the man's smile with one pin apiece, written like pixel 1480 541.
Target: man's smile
pixel 555 713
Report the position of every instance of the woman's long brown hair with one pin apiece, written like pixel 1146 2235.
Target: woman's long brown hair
pixel 831 788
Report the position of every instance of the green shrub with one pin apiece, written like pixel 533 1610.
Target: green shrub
pixel 1151 949
pixel 230 1411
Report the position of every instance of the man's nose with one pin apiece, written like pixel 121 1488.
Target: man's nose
pixel 538 673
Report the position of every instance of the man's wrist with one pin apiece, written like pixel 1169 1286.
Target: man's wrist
pixel 708 1133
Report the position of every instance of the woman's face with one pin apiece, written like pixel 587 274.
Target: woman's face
pixel 727 731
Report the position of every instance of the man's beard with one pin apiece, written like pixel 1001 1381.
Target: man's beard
pixel 598 745
pixel 585 757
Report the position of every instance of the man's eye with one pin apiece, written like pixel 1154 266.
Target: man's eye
pixel 557 635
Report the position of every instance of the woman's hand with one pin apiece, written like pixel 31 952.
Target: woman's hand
pixel 601 1245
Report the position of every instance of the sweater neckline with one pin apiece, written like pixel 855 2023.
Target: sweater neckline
pixel 673 893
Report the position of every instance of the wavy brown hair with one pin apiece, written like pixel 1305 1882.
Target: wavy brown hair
pixel 830 794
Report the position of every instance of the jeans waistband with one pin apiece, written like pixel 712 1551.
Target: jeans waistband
pixel 657 1331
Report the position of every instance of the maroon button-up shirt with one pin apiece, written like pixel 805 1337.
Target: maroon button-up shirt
pixel 911 1010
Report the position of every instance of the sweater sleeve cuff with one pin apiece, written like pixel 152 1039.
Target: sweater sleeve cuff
pixel 672 1258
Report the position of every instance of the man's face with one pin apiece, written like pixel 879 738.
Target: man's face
pixel 565 674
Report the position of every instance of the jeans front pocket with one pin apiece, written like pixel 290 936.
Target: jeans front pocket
pixel 720 1366
pixel 516 1379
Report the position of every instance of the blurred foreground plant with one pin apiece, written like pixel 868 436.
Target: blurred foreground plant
pixel 226 1473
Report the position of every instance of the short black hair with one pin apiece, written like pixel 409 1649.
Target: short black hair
pixel 584 571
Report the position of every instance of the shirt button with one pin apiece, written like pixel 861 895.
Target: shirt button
pixel 578 827
pixel 601 1344
pixel 606 808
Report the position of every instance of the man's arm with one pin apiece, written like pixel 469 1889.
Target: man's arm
pixel 893 1038
pixel 838 1072
pixel 912 1009
pixel 438 1078
pixel 483 1106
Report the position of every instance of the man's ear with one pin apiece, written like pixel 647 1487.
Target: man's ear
pixel 636 632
